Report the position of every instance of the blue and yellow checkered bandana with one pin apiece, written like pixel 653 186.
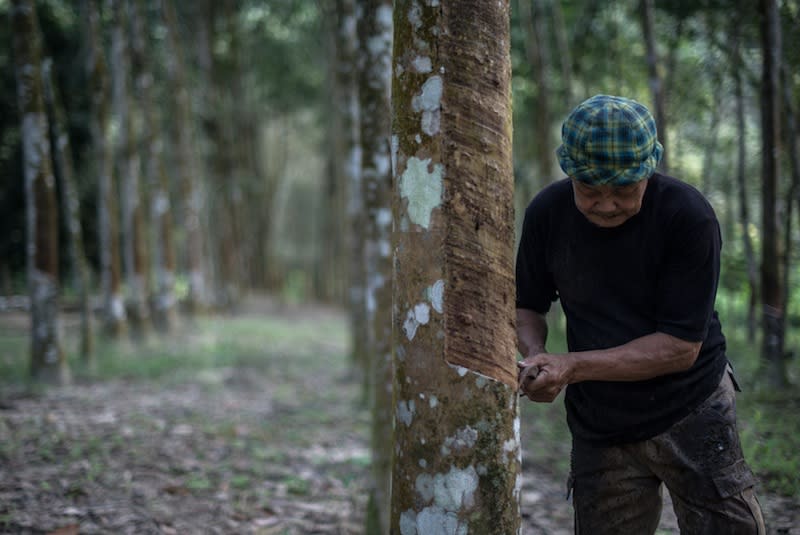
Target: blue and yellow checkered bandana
pixel 609 140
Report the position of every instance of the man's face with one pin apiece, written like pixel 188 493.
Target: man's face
pixel 609 206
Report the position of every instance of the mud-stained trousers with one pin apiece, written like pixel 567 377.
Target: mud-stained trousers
pixel 617 490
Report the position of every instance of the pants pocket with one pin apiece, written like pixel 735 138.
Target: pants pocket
pixel 733 479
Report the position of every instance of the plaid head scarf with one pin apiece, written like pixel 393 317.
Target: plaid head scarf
pixel 609 140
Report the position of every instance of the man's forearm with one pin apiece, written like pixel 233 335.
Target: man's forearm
pixel 531 332
pixel 640 359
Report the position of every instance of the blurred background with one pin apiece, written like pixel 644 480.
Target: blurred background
pixel 202 214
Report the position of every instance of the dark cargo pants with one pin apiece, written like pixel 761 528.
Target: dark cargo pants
pixel 617 490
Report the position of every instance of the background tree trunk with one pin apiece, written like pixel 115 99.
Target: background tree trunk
pixel 656 82
pixel 190 185
pixel 347 80
pixel 47 359
pixel 128 167
pixel 741 164
pixel 457 451
pixel 64 172
pixel 771 290
pixel 163 307
pixel 375 50
pixel 538 56
pixel 793 196
pixel 102 157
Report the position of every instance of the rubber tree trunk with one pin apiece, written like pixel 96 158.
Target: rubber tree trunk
pixel 348 110
pixel 537 52
pixel 334 248
pixel 375 51
pixel 164 314
pixel 47 359
pixel 655 80
pixel 190 186
pixel 741 184
pixel 129 168
pixel 771 281
pixel 114 317
pixel 64 171
pixel 456 466
pixel 790 120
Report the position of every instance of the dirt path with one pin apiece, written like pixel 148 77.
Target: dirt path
pixel 274 444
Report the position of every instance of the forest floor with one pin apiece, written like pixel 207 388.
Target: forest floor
pixel 244 424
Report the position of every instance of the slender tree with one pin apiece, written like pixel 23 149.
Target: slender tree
pixel 190 189
pixel 537 52
pixel 375 51
pixel 736 65
pixel 47 358
pixel 102 159
pixel 564 53
pixel 152 148
pixel 655 78
pixel 793 195
pixel 771 281
pixel 128 167
pixel 457 453
pixel 347 82
pixel 64 172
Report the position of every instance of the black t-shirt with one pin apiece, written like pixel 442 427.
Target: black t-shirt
pixel 657 272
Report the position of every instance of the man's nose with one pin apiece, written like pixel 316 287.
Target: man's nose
pixel 605 204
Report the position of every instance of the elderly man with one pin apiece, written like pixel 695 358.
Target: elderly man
pixel 633 256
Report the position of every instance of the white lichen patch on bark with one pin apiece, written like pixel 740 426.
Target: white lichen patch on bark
pixel 464 438
pixel 374 284
pixel 394 148
pixel 446 496
pixel 117 307
pixel 405 411
pixel 419 315
pixel 422 64
pixel 429 102
pixel 435 295
pixel 415 16
pixel 33 136
pixel 422 188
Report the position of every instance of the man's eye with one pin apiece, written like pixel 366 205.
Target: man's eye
pixel 590 192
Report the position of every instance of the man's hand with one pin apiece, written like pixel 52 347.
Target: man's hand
pixel 543 376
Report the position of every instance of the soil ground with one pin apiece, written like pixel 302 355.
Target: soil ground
pixel 260 432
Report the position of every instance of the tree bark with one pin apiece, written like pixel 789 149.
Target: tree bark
pixel 564 53
pixel 161 245
pixel 656 82
pixel 790 120
pixel 191 191
pixel 64 172
pixel 347 80
pixel 456 466
pixel 102 158
pixel 48 363
pixel 741 164
pixel 375 50
pixel 538 55
pixel 128 165
pixel 771 281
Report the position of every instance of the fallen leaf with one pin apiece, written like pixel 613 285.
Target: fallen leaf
pixel 71 529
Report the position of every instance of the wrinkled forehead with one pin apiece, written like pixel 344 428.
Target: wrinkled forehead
pixel 607 188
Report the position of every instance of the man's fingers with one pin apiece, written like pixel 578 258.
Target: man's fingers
pixel 528 372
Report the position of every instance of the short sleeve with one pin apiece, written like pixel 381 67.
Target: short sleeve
pixel 535 286
pixel 687 280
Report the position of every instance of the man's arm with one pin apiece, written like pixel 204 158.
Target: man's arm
pixel 531 332
pixel 640 359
